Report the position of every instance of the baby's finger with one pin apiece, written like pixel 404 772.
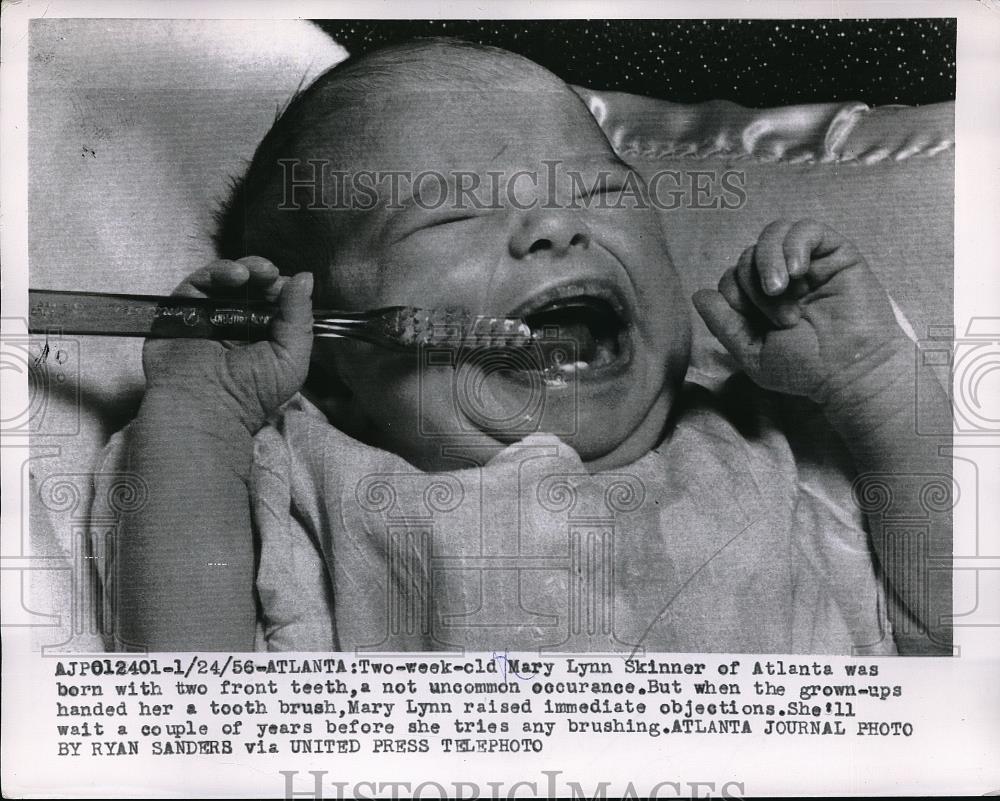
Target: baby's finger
pixel 814 249
pixel 731 328
pixel 749 286
pixel 190 287
pixel 229 274
pixel 265 282
pixel 729 288
pixel 772 309
pixel 770 259
pixel 261 271
pixel 196 285
pixel 292 327
pixel 210 279
pixel 272 291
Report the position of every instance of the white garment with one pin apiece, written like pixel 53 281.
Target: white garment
pixel 729 537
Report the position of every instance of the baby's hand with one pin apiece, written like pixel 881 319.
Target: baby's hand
pixel 249 381
pixel 801 312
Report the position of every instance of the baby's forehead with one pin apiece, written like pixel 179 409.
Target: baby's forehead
pixel 444 124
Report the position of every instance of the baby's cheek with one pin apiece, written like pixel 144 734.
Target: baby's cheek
pixel 410 405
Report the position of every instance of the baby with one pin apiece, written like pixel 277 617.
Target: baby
pixel 264 526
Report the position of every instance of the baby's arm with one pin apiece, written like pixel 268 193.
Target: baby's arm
pixel 185 564
pixel 803 314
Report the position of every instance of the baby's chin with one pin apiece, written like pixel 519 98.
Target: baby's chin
pixel 598 448
pixel 640 441
pixel 442 441
pixel 606 426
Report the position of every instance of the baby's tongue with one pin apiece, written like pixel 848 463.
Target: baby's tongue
pixel 572 341
pixel 579 333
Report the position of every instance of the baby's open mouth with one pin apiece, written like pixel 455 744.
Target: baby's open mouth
pixel 577 333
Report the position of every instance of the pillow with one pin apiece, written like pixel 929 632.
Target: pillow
pixel 136 127
pixel 882 177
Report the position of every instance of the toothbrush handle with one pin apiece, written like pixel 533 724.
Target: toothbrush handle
pixel 104 314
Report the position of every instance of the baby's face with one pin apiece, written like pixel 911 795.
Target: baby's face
pixel 601 277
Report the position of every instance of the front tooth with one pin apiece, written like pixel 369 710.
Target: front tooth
pixel 572 367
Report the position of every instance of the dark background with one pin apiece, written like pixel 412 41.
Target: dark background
pixel 756 63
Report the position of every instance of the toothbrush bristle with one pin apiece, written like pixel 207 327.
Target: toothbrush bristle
pixel 456 327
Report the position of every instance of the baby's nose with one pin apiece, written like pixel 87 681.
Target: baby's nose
pixel 551 231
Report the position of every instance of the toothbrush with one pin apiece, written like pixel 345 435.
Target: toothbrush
pixel 396 327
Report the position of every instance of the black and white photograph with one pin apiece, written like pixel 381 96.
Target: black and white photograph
pixel 520 380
